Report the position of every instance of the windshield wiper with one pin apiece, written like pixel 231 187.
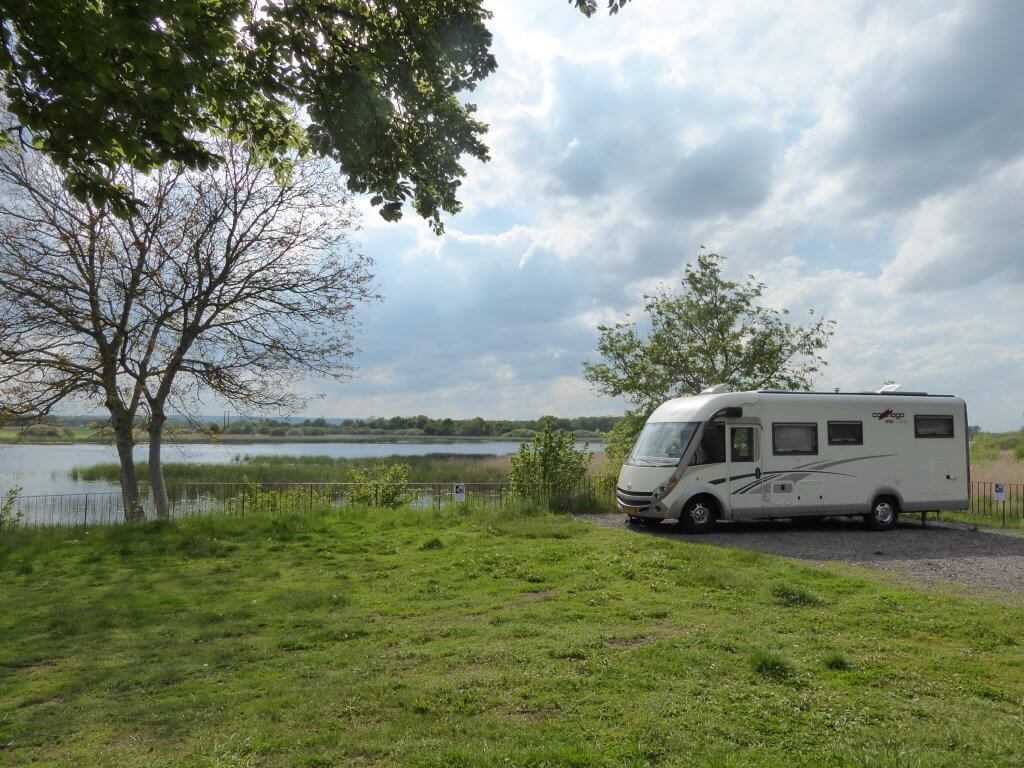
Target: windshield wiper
pixel 640 462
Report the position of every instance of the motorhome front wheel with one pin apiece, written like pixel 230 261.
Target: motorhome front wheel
pixel 698 516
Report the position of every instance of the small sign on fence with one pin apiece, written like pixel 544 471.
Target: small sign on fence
pixel 459 491
pixel 999 491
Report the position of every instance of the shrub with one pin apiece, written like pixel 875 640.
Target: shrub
pixel 41 430
pixel 521 432
pixel 549 469
pixel 1018 452
pixel 984 452
pixel 382 485
pixel 9 518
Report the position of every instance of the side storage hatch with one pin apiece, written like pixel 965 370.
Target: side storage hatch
pixel 943 476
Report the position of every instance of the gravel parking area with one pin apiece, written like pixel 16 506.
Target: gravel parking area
pixel 937 552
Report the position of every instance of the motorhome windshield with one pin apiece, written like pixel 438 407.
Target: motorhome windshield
pixel 663 444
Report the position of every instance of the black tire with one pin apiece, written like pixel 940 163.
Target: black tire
pixel 699 515
pixel 885 511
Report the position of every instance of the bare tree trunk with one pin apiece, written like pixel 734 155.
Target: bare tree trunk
pixel 133 510
pixel 156 471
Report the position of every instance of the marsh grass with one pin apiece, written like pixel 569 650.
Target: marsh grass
pixel 351 638
pixel 431 468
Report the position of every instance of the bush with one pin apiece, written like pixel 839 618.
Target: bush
pixel 521 432
pixel 984 452
pixel 382 485
pixel 1018 452
pixel 41 430
pixel 550 469
pixel 8 517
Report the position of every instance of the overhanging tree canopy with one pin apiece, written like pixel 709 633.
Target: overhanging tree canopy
pixel 373 84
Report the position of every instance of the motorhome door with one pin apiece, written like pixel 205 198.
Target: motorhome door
pixel 744 461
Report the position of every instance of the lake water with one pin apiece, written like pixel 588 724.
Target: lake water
pixel 43 469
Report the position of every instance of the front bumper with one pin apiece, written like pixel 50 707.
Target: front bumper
pixel 637 504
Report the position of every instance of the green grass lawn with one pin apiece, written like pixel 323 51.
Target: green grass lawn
pixel 483 639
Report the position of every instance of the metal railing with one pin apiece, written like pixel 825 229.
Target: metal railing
pixel 192 499
pixel 987 506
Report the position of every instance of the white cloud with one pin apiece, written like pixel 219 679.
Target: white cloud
pixel 863 158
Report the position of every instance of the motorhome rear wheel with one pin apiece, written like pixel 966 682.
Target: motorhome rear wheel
pixel 884 513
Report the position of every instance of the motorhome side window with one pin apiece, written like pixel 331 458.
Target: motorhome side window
pixel 794 439
pixel 933 426
pixel 742 448
pixel 845 433
pixel 712 446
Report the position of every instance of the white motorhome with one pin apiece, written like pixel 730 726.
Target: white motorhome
pixel 746 455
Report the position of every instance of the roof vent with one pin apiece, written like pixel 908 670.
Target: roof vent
pixel 885 388
pixel 716 389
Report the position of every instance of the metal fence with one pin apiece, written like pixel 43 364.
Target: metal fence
pixel 999 504
pixel 192 499
pixel 996 504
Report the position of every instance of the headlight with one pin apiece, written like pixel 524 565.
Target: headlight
pixel 663 489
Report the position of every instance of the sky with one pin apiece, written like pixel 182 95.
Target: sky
pixel 864 159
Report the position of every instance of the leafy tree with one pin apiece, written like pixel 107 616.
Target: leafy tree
pixel 713 331
pixel 374 85
pixel 474 427
pixel 550 469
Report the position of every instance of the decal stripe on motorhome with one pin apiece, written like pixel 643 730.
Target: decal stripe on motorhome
pixel 805 469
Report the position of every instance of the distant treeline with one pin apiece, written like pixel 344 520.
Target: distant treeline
pixel 399 426
pixel 411 426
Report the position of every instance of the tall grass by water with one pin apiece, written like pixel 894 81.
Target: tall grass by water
pixel 432 468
